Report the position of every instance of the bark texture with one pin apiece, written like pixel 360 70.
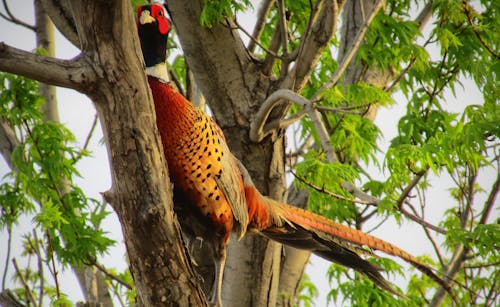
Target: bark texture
pixel 234 88
pixel 235 85
pixel 141 193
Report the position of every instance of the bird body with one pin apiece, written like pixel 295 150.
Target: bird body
pixel 213 190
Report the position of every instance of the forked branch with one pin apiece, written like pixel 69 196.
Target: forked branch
pixel 259 129
pixel 11 18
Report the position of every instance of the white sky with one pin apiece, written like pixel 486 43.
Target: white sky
pixel 77 112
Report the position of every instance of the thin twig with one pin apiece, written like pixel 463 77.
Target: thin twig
pixel 421 221
pixel 467 11
pixel 36 247
pixel 91 132
pixel 324 191
pixel 346 109
pixel 111 275
pixel 27 289
pixel 53 262
pixel 119 297
pixel 409 187
pixel 7 257
pixel 477 266
pixel 488 205
pixel 13 19
pixel 253 39
pixel 365 218
pixel 426 229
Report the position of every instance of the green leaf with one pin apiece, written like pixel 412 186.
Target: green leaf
pixel 50 216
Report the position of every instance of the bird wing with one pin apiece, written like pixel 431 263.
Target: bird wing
pixel 231 183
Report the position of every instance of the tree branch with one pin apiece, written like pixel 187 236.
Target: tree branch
pixel 283 27
pixel 353 49
pixel 110 275
pixel 409 187
pixel 455 265
pixel 8 299
pixel 467 11
pixel 66 73
pixel 259 25
pixel 29 295
pixel 62 17
pixel 7 256
pixel 488 205
pixel 256 42
pixel 324 191
pixel 11 18
pixel 320 31
pixel 8 141
pixel 258 128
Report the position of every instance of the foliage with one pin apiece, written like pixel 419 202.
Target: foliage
pixel 214 11
pixel 434 139
pixel 40 184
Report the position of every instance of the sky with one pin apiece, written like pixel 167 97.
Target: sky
pixel 77 113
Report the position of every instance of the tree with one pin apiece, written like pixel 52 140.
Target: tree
pixel 298 65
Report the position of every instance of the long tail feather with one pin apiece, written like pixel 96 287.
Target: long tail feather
pixel 324 237
pixel 335 242
pixel 330 230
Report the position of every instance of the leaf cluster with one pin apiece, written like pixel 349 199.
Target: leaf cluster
pixel 214 11
pixel 40 183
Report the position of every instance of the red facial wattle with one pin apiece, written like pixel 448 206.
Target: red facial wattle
pixel 158 12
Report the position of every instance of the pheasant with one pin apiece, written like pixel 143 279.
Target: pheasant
pixel 213 193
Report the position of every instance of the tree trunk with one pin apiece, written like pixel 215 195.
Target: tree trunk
pixel 234 89
pixel 141 193
pixel 91 280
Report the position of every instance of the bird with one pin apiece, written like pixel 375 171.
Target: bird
pixel 213 193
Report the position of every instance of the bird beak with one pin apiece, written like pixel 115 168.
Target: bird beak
pixel 146 17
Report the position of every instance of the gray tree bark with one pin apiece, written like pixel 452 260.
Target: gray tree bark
pixel 235 86
pixel 141 193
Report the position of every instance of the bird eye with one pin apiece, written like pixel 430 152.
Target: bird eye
pixel 160 13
